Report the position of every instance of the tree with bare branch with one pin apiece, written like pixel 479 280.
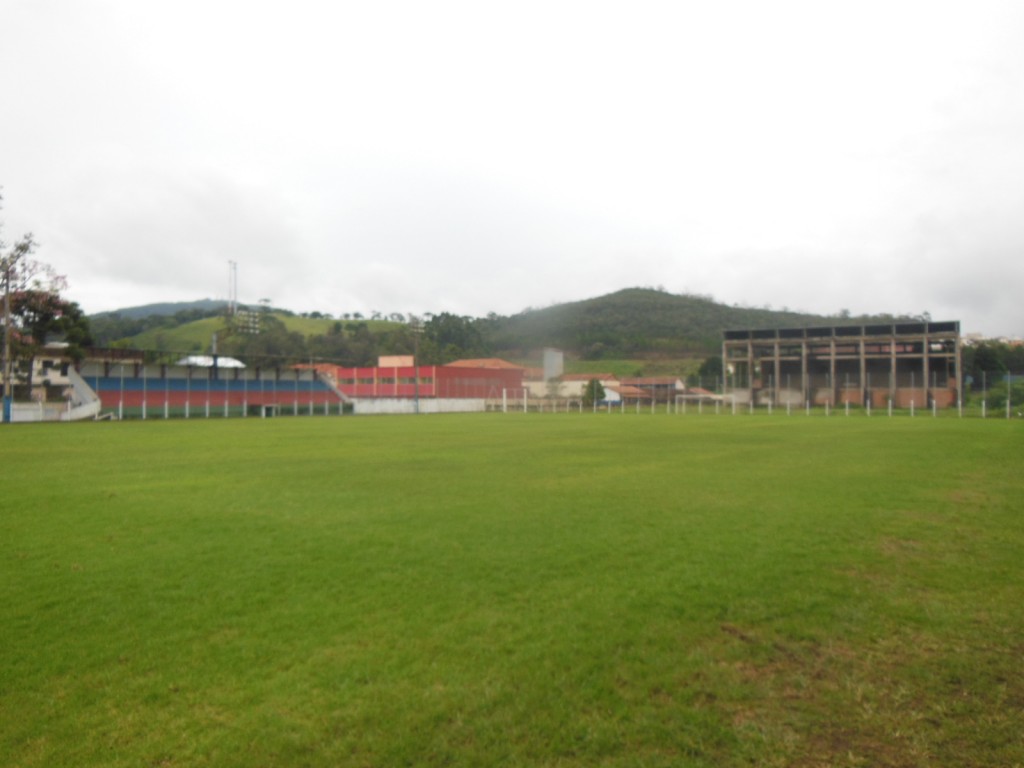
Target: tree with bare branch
pixel 34 312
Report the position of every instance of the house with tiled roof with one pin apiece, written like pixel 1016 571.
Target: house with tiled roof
pixel 662 388
pixel 697 395
pixel 627 394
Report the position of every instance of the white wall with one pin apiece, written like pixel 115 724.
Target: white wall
pixel 572 388
pixel 365 406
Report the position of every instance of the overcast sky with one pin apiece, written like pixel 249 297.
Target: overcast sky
pixel 479 156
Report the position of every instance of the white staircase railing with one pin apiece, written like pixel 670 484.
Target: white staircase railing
pixel 84 403
pixel 332 383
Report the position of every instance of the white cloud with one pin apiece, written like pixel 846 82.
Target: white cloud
pixel 469 157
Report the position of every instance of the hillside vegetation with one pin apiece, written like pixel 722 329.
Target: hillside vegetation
pixel 635 324
pixel 637 321
pixel 191 330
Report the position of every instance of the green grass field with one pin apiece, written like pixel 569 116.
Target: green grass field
pixel 556 590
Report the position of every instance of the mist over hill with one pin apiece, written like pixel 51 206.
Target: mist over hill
pixel 641 321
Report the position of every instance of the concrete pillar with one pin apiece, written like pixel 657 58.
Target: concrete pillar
pixel 832 370
pixel 862 384
pixel 778 373
pixel 803 370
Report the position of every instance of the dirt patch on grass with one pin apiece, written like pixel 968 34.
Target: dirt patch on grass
pixel 970 497
pixel 900 547
pixel 897 702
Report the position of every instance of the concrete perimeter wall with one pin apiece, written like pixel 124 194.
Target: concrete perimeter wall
pixel 365 406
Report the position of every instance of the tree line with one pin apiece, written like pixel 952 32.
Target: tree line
pixel 987 362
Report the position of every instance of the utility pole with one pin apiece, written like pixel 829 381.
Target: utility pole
pixel 7 345
pixel 417 329
pixel 8 265
pixel 23 247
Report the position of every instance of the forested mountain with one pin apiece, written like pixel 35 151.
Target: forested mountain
pixel 632 323
pixel 638 321
pixel 165 308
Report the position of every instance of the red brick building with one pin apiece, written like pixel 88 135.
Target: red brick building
pixel 440 381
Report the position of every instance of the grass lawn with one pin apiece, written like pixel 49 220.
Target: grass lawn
pixel 626 368
pixel 543 589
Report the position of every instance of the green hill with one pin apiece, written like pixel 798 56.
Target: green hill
pixel 197 335
pixel 637 321
pixel 194 336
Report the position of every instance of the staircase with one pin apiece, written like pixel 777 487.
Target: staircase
pixel 84 403
pixel 328 378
